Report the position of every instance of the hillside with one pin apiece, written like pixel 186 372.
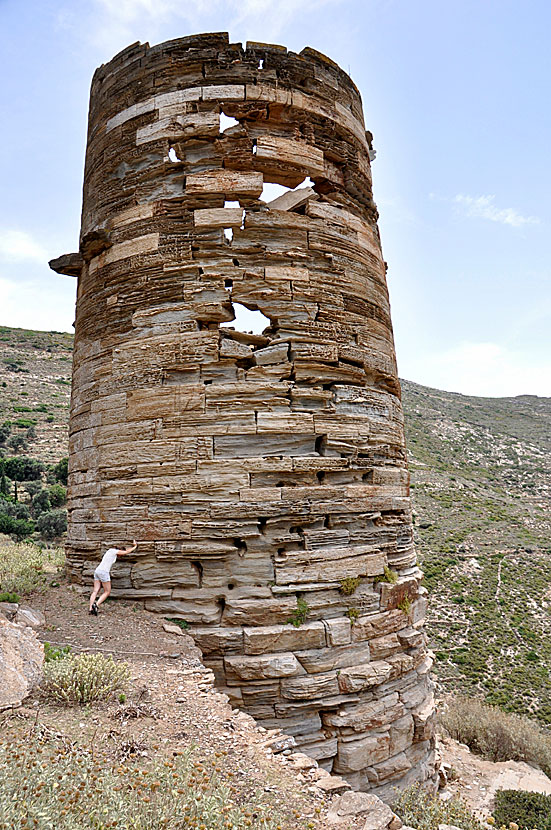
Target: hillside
pixel 481 480
pixel 35 389
pixel 481 477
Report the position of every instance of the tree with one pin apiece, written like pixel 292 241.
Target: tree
pixel 22 468
pixel 5 430
pixel 41 503
pixel 61 471
pixel 58 495
pixel 52 524
pixel 20 528
pixel 16 443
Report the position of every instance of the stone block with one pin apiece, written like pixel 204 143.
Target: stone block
pixel 328 659
pixel 262 667
pixel 364 676
pixel 353 756
pixel 270 638
pixel 338 631
pixel 311 686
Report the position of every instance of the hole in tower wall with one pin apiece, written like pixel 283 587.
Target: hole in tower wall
pixel 247 320
pixel 172 155
pixel 226 122
pixel 228 233
pixel 273 191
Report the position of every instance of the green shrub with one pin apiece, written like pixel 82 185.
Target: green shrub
pixel 61 470
pixel 419 809
pixel 298 617
pixel 349 585
pixel 25 423
pixel 41 503
pixel 83 678
pixel 58 495
pixel 6 596
pixel 18 528
pixel 184 625
pixel 405 605
pixel 531 811
pixel 52 653
pixel 52 524
pixel 387 576
pixel 352 614
pixel 497 735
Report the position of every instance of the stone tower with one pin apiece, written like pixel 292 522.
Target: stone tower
pixel 263 475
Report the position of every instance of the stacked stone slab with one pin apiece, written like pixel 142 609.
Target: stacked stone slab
pixel 264 476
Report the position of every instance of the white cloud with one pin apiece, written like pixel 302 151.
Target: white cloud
pixel 19 246
pixel 482 207
pixel 46 304
pixel 482 369
pixel 118 22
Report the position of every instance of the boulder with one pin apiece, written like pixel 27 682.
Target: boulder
pixel 30 616
pixel 21 659
pixel 351 804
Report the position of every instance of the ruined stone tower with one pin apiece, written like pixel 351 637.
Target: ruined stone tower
pixel 263 475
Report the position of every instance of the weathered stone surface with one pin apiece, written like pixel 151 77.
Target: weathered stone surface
pixel 259 473
pixel 310 687
pixel 32 617
pixel 379 818
pixel 356 755
pixel 21 659
pixel 358 678
pixel 262 667
pixel 283 637
pixel 351 804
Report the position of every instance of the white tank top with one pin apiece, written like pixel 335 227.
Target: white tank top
pixel 109 557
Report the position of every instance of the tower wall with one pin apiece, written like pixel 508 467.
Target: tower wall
pixel 264 476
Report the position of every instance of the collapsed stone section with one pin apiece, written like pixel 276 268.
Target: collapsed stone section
pixel 263 475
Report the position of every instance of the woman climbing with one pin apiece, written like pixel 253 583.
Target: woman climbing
pixel 102 575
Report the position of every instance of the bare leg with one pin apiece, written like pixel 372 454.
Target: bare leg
pixel 106 591
pixel 95 592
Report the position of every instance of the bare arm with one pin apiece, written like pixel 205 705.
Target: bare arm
pixel 126 551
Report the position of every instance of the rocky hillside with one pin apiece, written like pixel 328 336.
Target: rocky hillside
pixel 35 390
pixel 481 480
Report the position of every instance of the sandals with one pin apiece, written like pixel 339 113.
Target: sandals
pixel 94 609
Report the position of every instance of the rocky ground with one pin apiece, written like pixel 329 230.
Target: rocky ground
pixel 171 706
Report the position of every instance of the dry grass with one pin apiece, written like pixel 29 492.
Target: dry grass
pixel 419 809
pixel 497 735
pixel 25 568
pixel 45 784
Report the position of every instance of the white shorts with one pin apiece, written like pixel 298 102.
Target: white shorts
pixel 103 576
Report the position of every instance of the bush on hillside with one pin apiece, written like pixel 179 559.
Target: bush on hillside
pixel 22 567
pixel 497 735
pixel 52 524
pixel 40 503
pixel 83 678
pixel 530 811
pixel 423 811
pixel 17 528
pixel 58 495
pixel 61 471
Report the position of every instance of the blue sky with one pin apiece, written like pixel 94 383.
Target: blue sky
pixel 456 94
